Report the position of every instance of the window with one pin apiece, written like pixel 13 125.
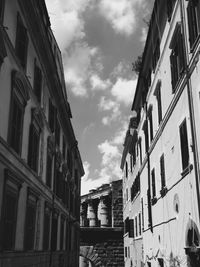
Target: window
pixel 34 140
pixel 46 229
pixel 145 129
pixel 136 227
pixel 135 188
pixel 49 170
pixel 57 132
pixel 54 232
pixel 140 228
pixel 161 262
pixel 193 12
pixel 126 252
pixel 21 44
pixel 126 169
pixel 150 120
pixel 162 171
pixel 126 225
pixel 51 116
pixel 184 145
pixel 19 98
pixel 37 84
pixel 157 93
pixel 153 183
pixel 3 52
pixel 170 7
pixel 177 56
pixel 156 55
pixel 131 230
pixel 9 212
pixel 31 208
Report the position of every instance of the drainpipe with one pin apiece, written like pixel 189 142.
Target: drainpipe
pixel 190 104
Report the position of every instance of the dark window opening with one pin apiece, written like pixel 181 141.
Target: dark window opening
pixel 21 45
pixel 54 232
pixel 159 103
pixel 153 183
pixel 162 171
pixel 37 84
pixel 33 151
pixel 184 145
pixel 31 208
pixel 193 12
pixel 46 231
pixel 49 170
pixel 176 57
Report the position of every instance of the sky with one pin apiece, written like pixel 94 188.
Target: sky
pixel 99 40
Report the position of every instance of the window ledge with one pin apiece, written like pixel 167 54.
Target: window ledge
pixel 154 201
pixel 187 170
pixel 163 191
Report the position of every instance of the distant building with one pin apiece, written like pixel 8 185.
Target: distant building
pixel 165 143
pixel 40 164
pixel 101 220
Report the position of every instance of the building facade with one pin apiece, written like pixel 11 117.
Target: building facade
pixel 167 145
pixel 101 221
pixel 40 164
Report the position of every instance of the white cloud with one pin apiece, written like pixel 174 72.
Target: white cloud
pixel 77 67
pixel 67 24
pixel 98 84
pixel 86 166
pixel 113 107
pixel 121 14
pixel 123 90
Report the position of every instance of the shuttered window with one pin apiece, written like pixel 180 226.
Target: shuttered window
pixel 51 116
pixel 9 214
pixel 162 171
pixel 176 57
pixel 16 126
pixel 49 170
pixel 21 45
pixel 159 102
pixel 153 183
pixel 37 85
pixel 33 151
pixel 54 232
pixel 150 119
pixel 193 13
pixel 31 209
pixel 131 230
pixel 46 229
pixel 184 145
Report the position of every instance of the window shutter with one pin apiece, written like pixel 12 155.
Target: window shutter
pixel 184 145
pixel 37 82
pixel 21 42
pixel 153 183
pixel 162 171
pixel 131 232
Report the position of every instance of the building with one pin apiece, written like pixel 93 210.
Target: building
pixel 167 143
pixel 132 208
pixel 101 220
pixel 40 164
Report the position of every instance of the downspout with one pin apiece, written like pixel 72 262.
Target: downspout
pixel 190 104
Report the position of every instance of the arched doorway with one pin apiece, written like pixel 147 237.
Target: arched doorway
pixel 192 244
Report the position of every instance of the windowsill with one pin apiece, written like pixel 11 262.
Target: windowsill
pixel 154 201
pixel 187 170
pixel 163 191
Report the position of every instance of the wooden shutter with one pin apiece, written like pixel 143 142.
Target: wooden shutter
pixel 162 171
pixel 37 82
pixel 131 229
pixel 184 145
pixel 21 42
pixel 153 183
